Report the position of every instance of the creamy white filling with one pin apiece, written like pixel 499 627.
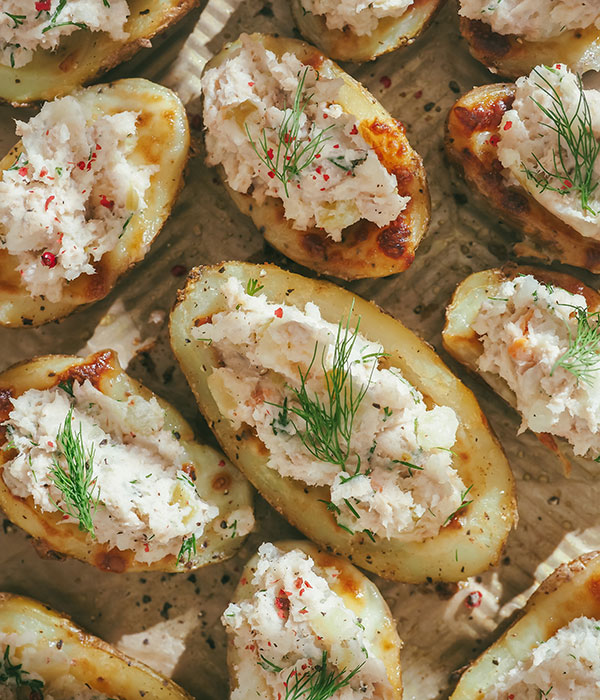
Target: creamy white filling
pixel 291 619
pixel 529 141
pixel 146 499
pixel 535 20
pixel 403 483
pixel 525 330
pixel 70 194
pixel 58 684
pixel 26 25
pixel 361 16
pixel 250 95
pixel 566 667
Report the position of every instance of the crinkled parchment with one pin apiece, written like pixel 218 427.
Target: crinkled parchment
pixel 171 621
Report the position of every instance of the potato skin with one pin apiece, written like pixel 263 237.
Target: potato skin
pixel 511 56
pixel 391 33
pixel 365 249
pixel 469 544
pixel 163 140
pixel 463 344
pixel 571 591
pixel 89 659
pixel 84 56
pixel 216 480
pixel 472 121
pixel 358 593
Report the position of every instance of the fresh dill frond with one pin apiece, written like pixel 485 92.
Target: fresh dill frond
pixel 67 386
pixel 253 287
pixel 582 357
pixel 17 19
pixel 291 154
pixel 10 672
pixel 315 683
pixel 188 547
pixel 80 493
pixel 463 504
pixel 576 139
pixel 328 422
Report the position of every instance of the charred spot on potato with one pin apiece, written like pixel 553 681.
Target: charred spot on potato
pixel 394 241
pixel 221 482
pixel 484 116
pixel 315 245
pixel 5 404
pixel 485 40
pixel 114 560
pixel 100 364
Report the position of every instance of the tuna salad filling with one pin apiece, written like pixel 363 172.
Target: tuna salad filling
pixel 107 465
pixel 70 194
pixel 292 624
pixel 565 667
pixel 548 143
pixel 275 127
pixel 543 341
pixel 534 20
pixel 360 16
pixel 27 25
pixel 331 413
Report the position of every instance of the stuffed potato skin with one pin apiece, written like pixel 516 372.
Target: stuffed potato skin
pixel 569 592
pixel 461 341
pixel 163 140
pixel 359 595
pixel 57 646
pixel 511 56
pixel 391 33
pixel 472 122
pixel 365 250
pixel 468 544
pixel 83 56
pixel 217 481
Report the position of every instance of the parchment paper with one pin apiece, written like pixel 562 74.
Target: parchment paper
pixel 171 621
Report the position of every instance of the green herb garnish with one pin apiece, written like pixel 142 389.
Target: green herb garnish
pixel 15 672
pixel 576 140
pixel 253 287
pixel 582 357
pixel 77 484
pixel 291 154
pixel 463 504
pixel 188 547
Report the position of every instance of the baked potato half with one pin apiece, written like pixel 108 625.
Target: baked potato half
pixel 568 593
pixel 216 481
pixel 357 592
pixel 345 45
pixel 469 543
pixel 471 134
pixel 511 56
pixel 83 56
pixel 67 659
pixel 463 343
pixel 365 250
pixel 163 141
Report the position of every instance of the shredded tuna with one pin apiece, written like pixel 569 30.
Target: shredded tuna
pixel 361 16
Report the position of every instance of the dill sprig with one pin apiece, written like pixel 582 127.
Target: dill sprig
pixel 329 421
pixel 253 287
pixel 80 493
pixel 15 672
pixel 17 19
pixel 291 155
pixel 463 504
pixel 188 547
pixel 316 683
pixel 582 357
pixel 575 140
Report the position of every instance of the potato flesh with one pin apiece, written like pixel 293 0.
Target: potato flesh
pixel 58 646
pixel 358 593
pixel 467 545
pixel 163 140
pixel 217 482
